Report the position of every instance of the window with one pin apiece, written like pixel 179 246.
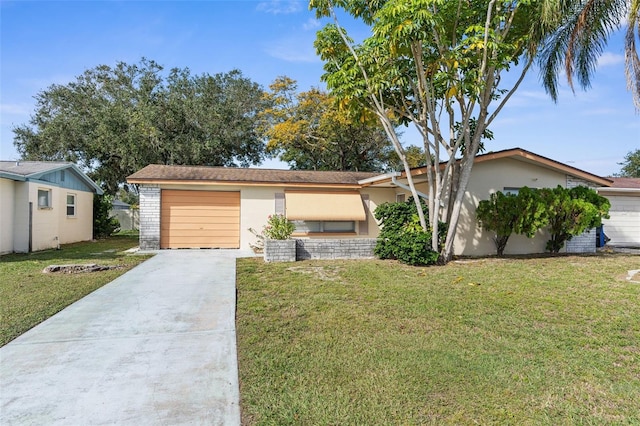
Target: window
pixel 318 226
pixel 400 198
pixel 71 205
pixel 44 198
pixel 511 190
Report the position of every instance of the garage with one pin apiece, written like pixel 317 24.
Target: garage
pixel 199 219
pixel 623 225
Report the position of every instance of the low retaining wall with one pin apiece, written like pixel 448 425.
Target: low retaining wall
pixel 353 248
pixel 305 249
pixel 279 250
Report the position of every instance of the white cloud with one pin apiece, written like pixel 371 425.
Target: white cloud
pixel 608 59
pixel 311 24
pixel 15 109
pixel 293 50
pixel 278 7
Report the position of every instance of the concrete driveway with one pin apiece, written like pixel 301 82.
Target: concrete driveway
pixel 157 346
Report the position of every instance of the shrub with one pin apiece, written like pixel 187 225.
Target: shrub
pixel 507 214
pixel 401 235
pixel 278 228
pixel 570 213
pixel 103 225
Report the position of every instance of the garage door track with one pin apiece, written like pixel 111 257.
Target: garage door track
pixel 155 346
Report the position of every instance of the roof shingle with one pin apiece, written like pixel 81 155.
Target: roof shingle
pixel 156 172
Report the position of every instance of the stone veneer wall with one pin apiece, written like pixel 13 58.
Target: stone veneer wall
pixel 352 248
pixel 279 250
pixel 149 217
pixel 583 243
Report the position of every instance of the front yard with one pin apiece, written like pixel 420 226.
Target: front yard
pixel 515 341
pixel 28 296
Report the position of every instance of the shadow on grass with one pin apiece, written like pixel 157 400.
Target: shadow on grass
pixel 106 249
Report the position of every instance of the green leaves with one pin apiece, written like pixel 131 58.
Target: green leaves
pixel 401 235
pixel 567 213
pixel 312 130
pixel 115 120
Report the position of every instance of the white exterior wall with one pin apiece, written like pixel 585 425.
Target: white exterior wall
pixel 7 215
pixel 490 177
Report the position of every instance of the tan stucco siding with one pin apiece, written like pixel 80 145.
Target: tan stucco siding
pixel 51 226
pixel 258 202
pixel 490 177
pixel 76 228
pixel 7 215
pixel 44 223
pixel 21 217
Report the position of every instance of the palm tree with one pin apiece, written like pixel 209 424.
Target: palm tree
pixel 581 29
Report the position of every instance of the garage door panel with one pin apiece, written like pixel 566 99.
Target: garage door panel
pixel 204 212
pixel 199 219
pixel 185 226
pixel 199 235
pixel 204 220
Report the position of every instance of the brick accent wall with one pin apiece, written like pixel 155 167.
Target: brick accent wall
pixel 353 248
pixel 583 243
pixel 572 182
pixel 149 217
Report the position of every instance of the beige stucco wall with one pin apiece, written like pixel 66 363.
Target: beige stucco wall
pixel 21 217
pixel 79 227
pixel 7 215
pixel 490 177
pixel 44 222
pixel 258 202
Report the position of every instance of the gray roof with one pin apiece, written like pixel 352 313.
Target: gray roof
pixel 30 168
pixel 27 170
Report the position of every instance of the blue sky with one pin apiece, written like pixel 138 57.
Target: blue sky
pixel 51 42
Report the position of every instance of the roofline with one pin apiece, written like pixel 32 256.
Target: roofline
pixel 38 175
pixel 375 179
pixel 519 152
pixel 608 189
pixel 12 176
pixel 203 182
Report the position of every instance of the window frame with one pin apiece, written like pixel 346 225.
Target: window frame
pixel 74 205
pixel 319 227
pixel 49 204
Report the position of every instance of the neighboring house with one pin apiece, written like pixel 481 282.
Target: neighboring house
pixel 127 216
pixel 623 226
pixel 214 207
pixel 44 204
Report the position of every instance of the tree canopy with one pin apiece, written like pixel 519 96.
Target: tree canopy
pixel 310 131
pixel 115 120
pixel 631 165
pixel 436 65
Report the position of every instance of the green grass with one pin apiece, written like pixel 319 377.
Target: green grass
pixel 551 341
pixel 28 297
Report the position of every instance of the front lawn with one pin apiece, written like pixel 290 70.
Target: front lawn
pixel 552 341
pixel 28 296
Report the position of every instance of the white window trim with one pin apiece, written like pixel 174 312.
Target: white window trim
pixel 322 230
pixel 49 205
pixel 75 205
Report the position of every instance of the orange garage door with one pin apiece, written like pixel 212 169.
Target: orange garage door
pixel 199 219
